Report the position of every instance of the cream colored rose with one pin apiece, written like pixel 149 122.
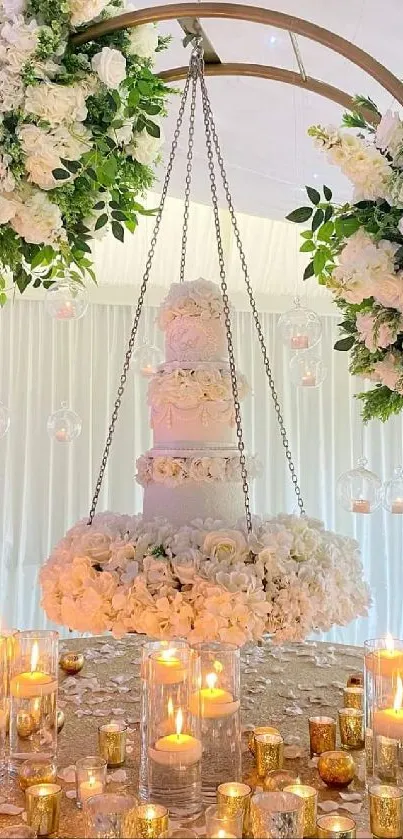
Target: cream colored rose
pixel 97 546
pixel 225 545
pixel 56 103
pixel 38 221
pixel 169 470
pixel 110 65
pixel 144 148
pixel 143 40
pixel 81 11
pixel 45 148
pixel 8 207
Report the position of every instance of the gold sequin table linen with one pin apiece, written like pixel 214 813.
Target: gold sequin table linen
pixel 280 687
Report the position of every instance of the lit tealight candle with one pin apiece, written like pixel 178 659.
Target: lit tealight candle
pixel 336 827
pixel 176 749
pixel 386 661
pixel 61 435
pixel 212 701
pixel 232 799
pixel 310 796
pixel 43 808
pixel 89 788
pixel 397 505
pixel 299 342
pixel 308 380
pixel 360 505
pixel 33 683
pixel 389 721
pixel 90 778
pixel 386 811
pixel 151 821
pixel 168 669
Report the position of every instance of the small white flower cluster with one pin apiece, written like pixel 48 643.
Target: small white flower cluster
pixel 195 298
pixel 206 581
pixel 192 388
pixel 172 471
pixel 362 163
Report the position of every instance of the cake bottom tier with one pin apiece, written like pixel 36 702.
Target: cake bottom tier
pixel 194 500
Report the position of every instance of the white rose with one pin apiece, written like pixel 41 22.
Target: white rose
pixel 168 470
pixel 81 11
pixel 8 207
pixel 110 65
pixel 389 133
pixel 40 168
pixel 143 40
pixel 38 221
pixel 144 148
pixel 97 546
pixel 21 36
pixel 13 8
pixel 56 103
pixel 123 135
pixel 224 545
pixel 389 291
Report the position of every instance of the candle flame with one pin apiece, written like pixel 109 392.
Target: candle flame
pixel 211 680
pixel 91 780
pixel 389 643
pixel 167 655
pixel 170 708
pixel 221 834
pixel 218 667
pixel 179 722
pixel 150 812
pixel 34 656
pixel 398 695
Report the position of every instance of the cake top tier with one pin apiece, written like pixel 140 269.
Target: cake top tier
pixel 192 317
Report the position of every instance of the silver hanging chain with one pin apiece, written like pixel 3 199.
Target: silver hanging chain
pixel 194 64
pixel 227 313
pixel 143 289
pixel 276 401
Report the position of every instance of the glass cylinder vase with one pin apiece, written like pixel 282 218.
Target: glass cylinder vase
pixel 166 651
pixel 217 700
pixel 33 696
pixel 384 710
pixel 173 735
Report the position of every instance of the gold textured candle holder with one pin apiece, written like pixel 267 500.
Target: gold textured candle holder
pixel 353 697
pixel 269 750
pixel 278 815
pixel 151 821
pixel 25 724
pixel 71 662
pixel 234 798
pixel 36 770
pixel 43 808
pixel 351 722
pixel 386 811
pixel 277 779
pixel 336 769
pixel 112 743
pixel 355 680
pixel 386 759
pixel 322 734
pixel 310 799
pixel 336 827
pixel 260 729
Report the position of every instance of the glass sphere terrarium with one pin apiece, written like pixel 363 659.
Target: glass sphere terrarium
pixel 300 328
pixel 66 300
pixel 307 369
pixel 146 359
pixel 64 425
pixel 359 490
pixel 393 492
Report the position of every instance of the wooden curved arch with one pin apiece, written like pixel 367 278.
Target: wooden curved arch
pixel 253 14
pixel 277 74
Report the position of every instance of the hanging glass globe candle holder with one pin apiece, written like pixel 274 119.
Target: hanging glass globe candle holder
pixel 299 328
pixel 146 359
pixel 4 420
pixel 307 369
pixel 64 425
pixel 359 490
pixel 393 492
pixel 66 300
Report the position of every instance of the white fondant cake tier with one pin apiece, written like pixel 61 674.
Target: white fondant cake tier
pixel 194 500
pixel 195 339
pixel 213 422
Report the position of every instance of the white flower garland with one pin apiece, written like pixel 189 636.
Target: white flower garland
pixel 173 471
pixel 194 387
pixel 206 581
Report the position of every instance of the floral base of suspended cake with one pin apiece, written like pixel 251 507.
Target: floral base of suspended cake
pixel 356 249
pixel 289 577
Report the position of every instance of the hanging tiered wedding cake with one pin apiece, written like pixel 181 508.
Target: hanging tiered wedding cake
pixel 193 470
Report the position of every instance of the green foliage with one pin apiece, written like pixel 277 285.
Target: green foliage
pixel 380 403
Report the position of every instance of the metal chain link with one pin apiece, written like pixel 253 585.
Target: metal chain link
pixel 276 401
pixel 140 301
pixel 195 59
pixel 227 315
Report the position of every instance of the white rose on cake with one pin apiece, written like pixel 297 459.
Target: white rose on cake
pixel 110 66
pixel 169 470
pixel 143 40
pixel 225 545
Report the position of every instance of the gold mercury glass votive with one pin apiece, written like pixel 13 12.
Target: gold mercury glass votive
pixel 277 779
pixel 269 750
pixel 386 758
pixel 310 798
pixel 336 827
pixel 322 734
pixel 234 798
pixel 353 697
pixel 351 722
pixel 43 808
pixel 260 729
pixel 71 662
pixel 336 769
pixel 151 821
pixel 386 811
pixel 355 680
pixel 36 770
pixel 112 742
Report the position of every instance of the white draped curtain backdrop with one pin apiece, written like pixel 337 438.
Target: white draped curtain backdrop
pixel 46 486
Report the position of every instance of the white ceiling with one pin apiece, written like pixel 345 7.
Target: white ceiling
pixel 263 124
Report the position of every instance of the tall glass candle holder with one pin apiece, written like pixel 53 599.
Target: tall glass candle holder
pixel 174 744
pixel 166 651
pixel 33 695
pixel 217 701
pixel 384 670
pixel 383 661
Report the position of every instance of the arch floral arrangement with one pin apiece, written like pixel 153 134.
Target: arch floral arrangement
pixel 205 581
pixel 79 133
pixel 356 250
